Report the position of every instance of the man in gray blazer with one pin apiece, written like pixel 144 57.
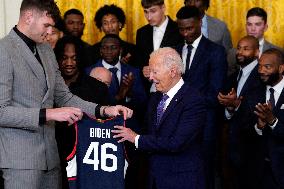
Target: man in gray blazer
pixel 30 87
pixel 256 25
pixel 212 28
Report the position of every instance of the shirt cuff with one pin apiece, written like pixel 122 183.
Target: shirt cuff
pixel 42 116
pixel 136 140
pixel 272 126
pixel 258 131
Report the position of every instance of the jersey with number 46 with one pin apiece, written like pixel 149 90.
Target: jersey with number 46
pixel 100 158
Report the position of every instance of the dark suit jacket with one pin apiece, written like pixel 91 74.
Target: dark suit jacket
pixel 253 81
pixel 144 41
pixel 175 144
pixel 207 74
pixel 250 148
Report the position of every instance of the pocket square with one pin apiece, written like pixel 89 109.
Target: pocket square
pixel 282 107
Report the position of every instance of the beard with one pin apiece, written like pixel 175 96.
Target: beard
pixel 272 79
pixel 246 61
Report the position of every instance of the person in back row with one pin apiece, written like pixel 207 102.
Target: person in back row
pixel 212 28
pixel 256 25
pixel 161 31
pixel 110 19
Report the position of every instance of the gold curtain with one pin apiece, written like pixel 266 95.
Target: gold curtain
pixel 233 12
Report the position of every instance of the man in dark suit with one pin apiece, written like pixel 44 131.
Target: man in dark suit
pixel 205 69
pixel 161 31
pixel 238 86
pixel 126 86
pixel 260 127
pixel 212 28
pixel 175 120
pixel 256 25
pixel 30 87
pixel 243 80
pixel 110 19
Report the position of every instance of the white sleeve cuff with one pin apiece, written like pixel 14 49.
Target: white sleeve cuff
pixel 258 131
pixel 136 140
pixel 228 114
pixel 272 126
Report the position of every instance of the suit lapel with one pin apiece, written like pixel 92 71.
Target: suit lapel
pixel 175 100
pixel 167 34
pixel 45 59
pixel 280 101
pixel 28 56
pixel 199 54
pixel 250 79
pixel 149 38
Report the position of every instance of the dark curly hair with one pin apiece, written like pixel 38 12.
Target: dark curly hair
pixel 109 9
pixel 60 45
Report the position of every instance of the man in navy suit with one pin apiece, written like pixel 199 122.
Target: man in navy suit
pixel 205 69
pixel 175 120
pixel 261 127
pixel 126 86
pixel 161 31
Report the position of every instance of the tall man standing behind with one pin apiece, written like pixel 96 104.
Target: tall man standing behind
pixel 212 28
pixel 175 120
pixel 161 31
pixel 30 85
pixel 205 69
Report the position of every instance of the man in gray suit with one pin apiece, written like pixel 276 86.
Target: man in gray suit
pixel 30 86
pixel 256 25
pixel 212 28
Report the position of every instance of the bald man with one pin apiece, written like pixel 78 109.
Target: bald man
pixel 102 74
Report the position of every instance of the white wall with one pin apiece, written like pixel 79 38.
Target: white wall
pixel 9 15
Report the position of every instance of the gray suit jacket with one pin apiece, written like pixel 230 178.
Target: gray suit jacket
pixel 25 88
pixel 231 57
pixel 218 32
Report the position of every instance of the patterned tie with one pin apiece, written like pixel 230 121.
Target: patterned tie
pixel 189 48
pixel 160 108
pixel 114 79
pixel 271 98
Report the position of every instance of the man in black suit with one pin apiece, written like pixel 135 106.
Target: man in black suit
pixel 259 120
pixel 238 86
pixel 205 69
pixel 243 80
pixel 161 31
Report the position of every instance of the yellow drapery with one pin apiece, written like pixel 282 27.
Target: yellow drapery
pixel 233 12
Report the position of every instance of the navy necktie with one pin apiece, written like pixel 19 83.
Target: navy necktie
pixel 189 49
pixel 271 98
pixel 160 108
pixel 240 75
pixel 114 78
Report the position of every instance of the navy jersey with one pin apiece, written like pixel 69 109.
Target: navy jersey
pixel 100 158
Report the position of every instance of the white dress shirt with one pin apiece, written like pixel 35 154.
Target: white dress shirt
pixel 171 93
pixel 118 66
pixel 158 33
pixel 184 51
pixel 277 92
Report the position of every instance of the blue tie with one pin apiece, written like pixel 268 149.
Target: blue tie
pixel 114 79
pixel 160 108
pixel 189 49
